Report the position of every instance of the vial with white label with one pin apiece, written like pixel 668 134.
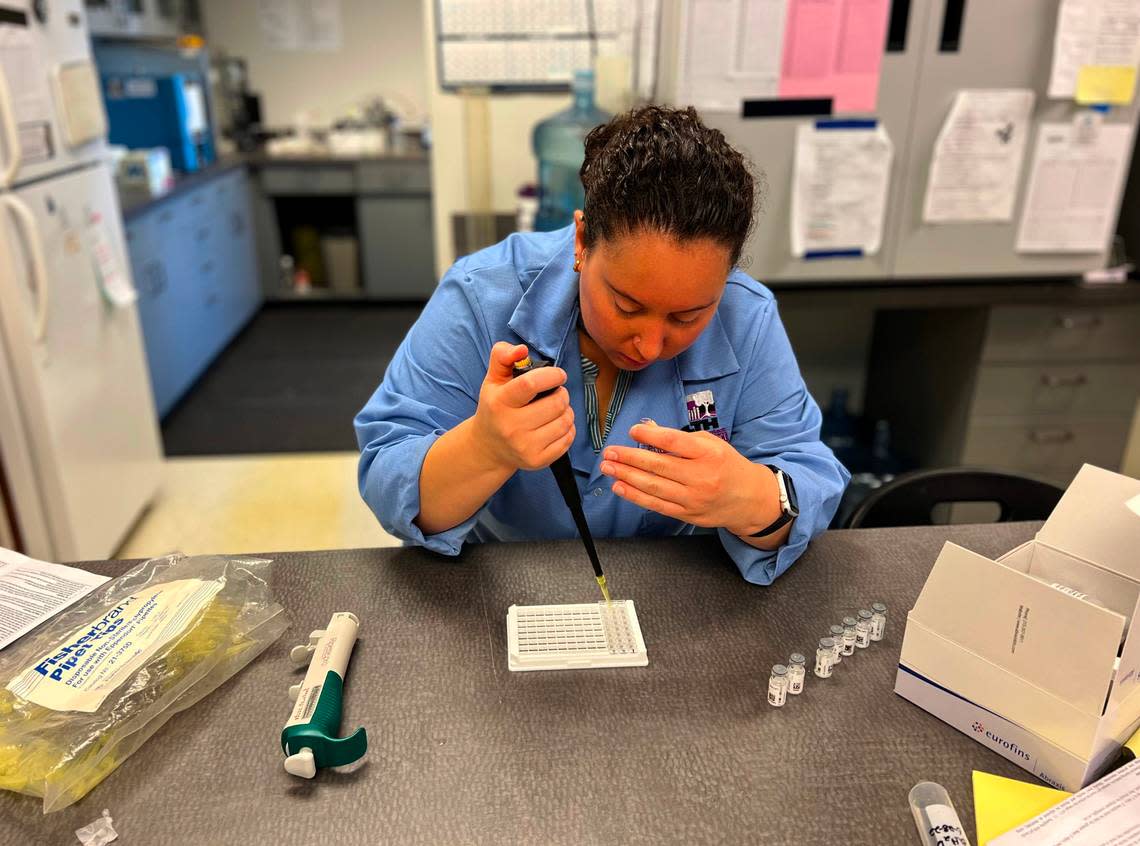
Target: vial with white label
pixel 823 657
pixel 934 815
pixel 836 634
pixel 778 686
pixel 848 636
pixel 797 672
pixel 878 621
pixel 863 629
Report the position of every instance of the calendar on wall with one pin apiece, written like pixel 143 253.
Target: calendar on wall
pixel 536 45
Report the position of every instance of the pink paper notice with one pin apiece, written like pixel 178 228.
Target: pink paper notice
pixel 834 48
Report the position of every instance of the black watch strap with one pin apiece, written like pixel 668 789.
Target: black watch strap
pixel 774 526
pixel 787 514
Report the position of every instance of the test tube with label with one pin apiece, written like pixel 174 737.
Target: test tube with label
pixel 824 654
pixel 836 634
pixel 797 672
pixel 778 686
pixel 878 621
pixel 934 815
pixel 863 630
pixel 848 636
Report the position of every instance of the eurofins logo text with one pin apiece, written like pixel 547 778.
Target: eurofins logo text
pixel 1007 745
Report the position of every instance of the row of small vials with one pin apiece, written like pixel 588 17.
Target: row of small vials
pixel 856 633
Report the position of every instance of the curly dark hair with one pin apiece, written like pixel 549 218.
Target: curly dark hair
pixel 663 170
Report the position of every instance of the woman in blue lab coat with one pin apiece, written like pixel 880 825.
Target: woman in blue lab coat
pixel 640 305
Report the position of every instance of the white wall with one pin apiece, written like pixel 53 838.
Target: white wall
pixel 512 119
pixel 382 54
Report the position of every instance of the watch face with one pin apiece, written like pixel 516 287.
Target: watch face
pixel 793 500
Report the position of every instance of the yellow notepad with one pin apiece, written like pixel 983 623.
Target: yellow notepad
pixel 1001 804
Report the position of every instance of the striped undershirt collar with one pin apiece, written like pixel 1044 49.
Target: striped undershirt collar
pixel 598 433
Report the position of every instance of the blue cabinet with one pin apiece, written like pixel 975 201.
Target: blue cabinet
pixel 194 263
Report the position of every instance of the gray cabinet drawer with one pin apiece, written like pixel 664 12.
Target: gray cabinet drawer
pixel 1044 389
pixel 394 178
pixel 1054 333
pixel 1046 449
pixel 278 179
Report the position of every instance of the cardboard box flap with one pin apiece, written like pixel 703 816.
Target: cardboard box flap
pixel 1093 521
pixel 1060 644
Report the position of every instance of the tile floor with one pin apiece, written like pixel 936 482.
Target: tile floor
pixel 256 503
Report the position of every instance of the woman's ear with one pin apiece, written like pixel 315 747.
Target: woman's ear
pixel 579 234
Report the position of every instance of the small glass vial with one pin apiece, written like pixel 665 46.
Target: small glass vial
pixel 836 634
pixel 823 658
pixel 797 672
pixel 863 630
pixel 778 686
pixel 878 621
pixel 848 636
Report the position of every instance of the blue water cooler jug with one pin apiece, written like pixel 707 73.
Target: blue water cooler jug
pixel 559 145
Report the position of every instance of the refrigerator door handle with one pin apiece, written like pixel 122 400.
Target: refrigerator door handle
pixel 11 135
pixel 31 237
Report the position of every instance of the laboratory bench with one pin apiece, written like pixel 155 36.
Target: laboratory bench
pixel 461 750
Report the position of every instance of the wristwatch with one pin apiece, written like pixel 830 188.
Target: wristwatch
pixel 789 504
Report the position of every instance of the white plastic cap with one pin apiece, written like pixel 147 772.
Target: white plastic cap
pixel 301 763
pixel 301 654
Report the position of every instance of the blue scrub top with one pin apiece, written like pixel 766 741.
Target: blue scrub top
pixel 524 290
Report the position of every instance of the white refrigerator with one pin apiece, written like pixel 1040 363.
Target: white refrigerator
pixel 80 452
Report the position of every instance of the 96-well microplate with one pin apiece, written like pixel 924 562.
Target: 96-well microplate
pixel 572 637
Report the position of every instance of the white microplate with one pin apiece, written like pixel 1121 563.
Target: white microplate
pixel 574 637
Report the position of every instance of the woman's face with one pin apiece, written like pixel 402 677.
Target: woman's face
pixel 646 297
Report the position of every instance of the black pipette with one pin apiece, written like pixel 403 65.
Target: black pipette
pixel 564 476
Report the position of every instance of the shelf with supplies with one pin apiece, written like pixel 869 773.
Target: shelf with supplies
pixel 357 227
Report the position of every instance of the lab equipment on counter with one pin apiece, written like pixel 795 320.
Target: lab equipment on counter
pixel 934 816
pixel 146 110
pixel 835 634
pixel 878 621
pixel 797 672
pixel 559 146
pixel 778 686
pixel 311 737
pixel 87 689
pixel 824 657
pixel 574 637
pixel 145 173
pixel 849 636
pixel 863 629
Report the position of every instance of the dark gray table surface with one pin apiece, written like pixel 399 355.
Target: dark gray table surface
pixel 464 751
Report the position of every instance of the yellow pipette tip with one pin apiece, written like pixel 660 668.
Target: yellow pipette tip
pixel 602 584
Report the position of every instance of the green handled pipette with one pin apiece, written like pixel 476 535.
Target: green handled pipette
pixel 311 737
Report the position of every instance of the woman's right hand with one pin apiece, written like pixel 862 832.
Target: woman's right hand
pixel 517 433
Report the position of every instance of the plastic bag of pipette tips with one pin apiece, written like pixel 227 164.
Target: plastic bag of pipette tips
pixel 84 691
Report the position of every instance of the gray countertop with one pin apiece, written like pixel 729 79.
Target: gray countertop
pixel 464 751
pixel 136 206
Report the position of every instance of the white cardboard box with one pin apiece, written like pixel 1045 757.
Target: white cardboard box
pixel 999 653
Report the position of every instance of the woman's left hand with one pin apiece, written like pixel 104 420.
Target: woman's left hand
pixel 698 478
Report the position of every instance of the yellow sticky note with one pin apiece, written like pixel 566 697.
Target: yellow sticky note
pixel 1106 84
pixel 1002 804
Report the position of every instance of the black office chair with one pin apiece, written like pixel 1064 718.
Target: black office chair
pixel 910 499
